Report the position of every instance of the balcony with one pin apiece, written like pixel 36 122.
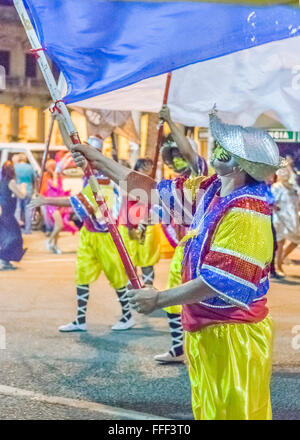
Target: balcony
pixel 23 85
pixel 8 14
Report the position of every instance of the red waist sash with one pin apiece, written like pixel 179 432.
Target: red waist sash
pixel 197 316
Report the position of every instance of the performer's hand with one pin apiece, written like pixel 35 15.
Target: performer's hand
pixel 37 201
pixel 164 113
pixel 82 153
pixel 143 300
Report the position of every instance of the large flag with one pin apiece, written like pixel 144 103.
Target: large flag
pixel 106 122
pixel 264 79
pixel 103 46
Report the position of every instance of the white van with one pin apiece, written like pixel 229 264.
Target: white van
pixel 34 153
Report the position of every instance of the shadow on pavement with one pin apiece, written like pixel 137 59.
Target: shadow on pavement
pixel 123 373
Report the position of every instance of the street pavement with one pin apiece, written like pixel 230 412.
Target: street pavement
pixel 105 374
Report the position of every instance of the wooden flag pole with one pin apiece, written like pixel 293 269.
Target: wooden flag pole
pixel 46 151
pixel 161 127
pixel 59 109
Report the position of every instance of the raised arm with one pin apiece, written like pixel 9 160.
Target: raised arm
pixel 182 142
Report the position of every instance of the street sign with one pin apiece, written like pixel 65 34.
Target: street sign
pixel 281 135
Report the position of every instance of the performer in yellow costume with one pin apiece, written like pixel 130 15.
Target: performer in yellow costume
pixel 141 238
pixel 182 158
pixel 227 253
pixel 96 250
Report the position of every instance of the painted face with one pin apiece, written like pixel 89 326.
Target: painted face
pixel 179 163
pixel 222 161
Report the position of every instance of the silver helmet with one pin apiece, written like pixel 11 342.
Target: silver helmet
pixel 255 150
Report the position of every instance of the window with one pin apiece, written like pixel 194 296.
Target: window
pixel 5 60
pixel 30 66
pixel 55 71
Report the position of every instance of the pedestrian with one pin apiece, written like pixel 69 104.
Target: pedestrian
pixel 286 216
pixel 25 174
pixel 227 251
pixel 11 242
pixel 58 217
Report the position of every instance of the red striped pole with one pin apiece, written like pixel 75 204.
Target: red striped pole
pixel 161 127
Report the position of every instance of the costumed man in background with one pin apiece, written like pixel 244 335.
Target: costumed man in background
pixel 227 252
pixel 96 250
pixel 141 238
pixel 178 153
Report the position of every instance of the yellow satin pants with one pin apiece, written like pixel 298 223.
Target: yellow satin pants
pixel 96 253
pixel 230 370
pixel 146 254
pixel 174 278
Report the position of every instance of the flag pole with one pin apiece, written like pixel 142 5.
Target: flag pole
pixel 39 185
pixel 59 109
pixel 161 127
pixel 46 151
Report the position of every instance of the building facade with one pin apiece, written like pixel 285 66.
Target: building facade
pixel 25 97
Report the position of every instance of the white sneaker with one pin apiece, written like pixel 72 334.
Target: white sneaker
pixel 57 250
pixel 73 327
pixel 50 247
pixel 119 326
pixel 168 357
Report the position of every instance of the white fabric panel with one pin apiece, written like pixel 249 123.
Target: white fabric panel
pixel 243 85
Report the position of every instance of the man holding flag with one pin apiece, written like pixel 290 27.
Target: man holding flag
pixel 227 253
pixel 229 245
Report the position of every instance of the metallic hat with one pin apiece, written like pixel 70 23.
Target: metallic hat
pixel 249 143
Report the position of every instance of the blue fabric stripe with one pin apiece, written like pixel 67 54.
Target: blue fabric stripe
pixel 104 45
pixel 231 288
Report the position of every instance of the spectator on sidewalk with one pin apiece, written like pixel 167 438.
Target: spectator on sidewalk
pixel 11 243
pixel 25 174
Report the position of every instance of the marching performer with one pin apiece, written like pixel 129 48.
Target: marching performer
pixel 178 153
pixel 228 341
pixel 96 250
pixel 141 238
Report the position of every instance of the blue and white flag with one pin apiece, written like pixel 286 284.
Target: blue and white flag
pixel 102 46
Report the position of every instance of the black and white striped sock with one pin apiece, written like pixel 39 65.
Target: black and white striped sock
pixel 122 296
pixel 176 330
pixel 82 300
pixel 148 275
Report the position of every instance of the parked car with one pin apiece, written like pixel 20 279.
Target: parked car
pixel 34 153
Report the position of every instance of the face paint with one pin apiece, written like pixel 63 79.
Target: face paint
pixel 222 161
pixel 220 153
pixel 179 163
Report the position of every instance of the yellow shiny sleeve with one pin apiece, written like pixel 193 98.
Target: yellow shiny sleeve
pixel 245 233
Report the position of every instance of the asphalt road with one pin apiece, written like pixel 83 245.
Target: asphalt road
pixel 106 367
